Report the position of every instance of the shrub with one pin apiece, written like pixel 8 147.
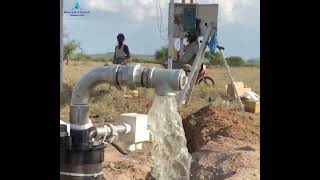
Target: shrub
pixel 235 61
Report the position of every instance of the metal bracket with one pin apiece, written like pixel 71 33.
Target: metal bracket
pixel 187 91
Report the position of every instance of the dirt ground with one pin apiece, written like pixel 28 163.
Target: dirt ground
pixel 137 165
pixel 224 145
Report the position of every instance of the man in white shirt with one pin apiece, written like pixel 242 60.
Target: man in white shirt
pixel 121 52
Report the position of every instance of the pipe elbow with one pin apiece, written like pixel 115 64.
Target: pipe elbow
pixel 81 92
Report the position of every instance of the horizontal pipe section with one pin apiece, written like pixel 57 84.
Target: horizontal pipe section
pixel 165 82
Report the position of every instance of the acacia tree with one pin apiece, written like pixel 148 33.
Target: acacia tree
pixel 70 46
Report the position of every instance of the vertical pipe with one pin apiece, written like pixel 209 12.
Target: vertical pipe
pixel 61 46
pixel 181 39
pixel 170 33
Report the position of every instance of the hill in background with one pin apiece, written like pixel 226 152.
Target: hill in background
pixel 254 61
pixel 138 58
pixel 109 55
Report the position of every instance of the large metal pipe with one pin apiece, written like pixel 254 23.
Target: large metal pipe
pixel 165 81
pixel 80 157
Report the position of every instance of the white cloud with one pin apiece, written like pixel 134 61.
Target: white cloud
pixel 133 9
pixel 108 6
pixel 230 11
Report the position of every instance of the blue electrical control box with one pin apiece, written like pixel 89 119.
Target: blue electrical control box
pixel 189 18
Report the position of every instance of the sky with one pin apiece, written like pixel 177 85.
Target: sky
pixel 238 25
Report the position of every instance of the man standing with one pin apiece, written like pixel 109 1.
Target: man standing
pixel 121 52
pixel 122 56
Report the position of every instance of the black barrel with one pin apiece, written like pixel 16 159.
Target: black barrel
pixel 82 164
pixel 80 159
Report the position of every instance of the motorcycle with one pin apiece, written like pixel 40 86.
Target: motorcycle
pixel 202 77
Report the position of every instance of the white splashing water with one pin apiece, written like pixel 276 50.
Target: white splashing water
pixel 170 154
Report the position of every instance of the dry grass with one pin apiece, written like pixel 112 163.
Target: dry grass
pixel 249 75
pixel 201 94
pixel 107 103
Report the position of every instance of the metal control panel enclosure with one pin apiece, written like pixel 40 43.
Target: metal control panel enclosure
pixel 193 17
pixel 189 18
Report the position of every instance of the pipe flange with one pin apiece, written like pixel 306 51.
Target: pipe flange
pixel 150 77
pixel 130 75
pixel 183 79
pixel 113 133
pixel 127 127
pixel 115 77
pixel 134 75
pixel 119 75
pixel 145 80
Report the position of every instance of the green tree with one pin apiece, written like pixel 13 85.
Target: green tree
pixel 70 48
pixel 253 61
pixel 214 59
pixel 208 55
pixel 235 61
pixel 161 54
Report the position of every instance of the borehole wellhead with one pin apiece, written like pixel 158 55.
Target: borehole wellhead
pixel 82 146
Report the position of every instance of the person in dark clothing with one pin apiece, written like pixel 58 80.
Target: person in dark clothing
pixel 121 52
pixel 189 54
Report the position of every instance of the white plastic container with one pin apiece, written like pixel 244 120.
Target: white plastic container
pixel 252 96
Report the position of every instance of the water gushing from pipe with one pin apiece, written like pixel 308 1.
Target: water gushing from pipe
pixel 170 154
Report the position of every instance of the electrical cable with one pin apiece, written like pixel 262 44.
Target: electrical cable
pixel 159 11
pixel 159 24
pixel 122 151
